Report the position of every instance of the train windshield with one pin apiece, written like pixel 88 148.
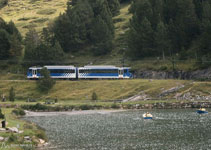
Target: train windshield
pixel 30 71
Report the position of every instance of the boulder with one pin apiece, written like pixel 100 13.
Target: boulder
pixel 1 138
pixel 27 138
pixel 41 141
pixel 13 129
pixel 2 130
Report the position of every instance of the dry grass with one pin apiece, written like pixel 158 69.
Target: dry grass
pixel 26 12
pixel 82 90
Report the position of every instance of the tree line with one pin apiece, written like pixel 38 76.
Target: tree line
pixel 180 28
pixel 10 41
pixel 85 26
pixel 158 28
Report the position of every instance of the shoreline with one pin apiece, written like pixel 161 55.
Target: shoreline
pixel 70 113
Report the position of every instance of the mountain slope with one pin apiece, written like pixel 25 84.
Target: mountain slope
pixel 32 13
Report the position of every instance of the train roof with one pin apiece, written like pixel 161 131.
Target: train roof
pixel 60 67
pixel 54 67
pixel 103 67
pixel 34 67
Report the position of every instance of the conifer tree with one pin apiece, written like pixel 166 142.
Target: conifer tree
pixel 4 44
pixel 12 94
pixel 114 7
pixel 162 39
pixel 141 39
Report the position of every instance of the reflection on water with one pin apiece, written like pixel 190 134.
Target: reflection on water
pixel 170 129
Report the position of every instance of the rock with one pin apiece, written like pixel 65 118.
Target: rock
pixel 1 139
pixel 27 138
pixel 171 90
pixel 13 129
pixel 2 130
pixel 187 75
pixel 41 141
pixel 20 132
pixel 138 97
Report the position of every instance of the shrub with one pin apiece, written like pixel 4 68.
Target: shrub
pixel 94 96
pixel 115 106
pixel 12 138
pixel 28 126
pixel 12 94
pixel 46 82
pixel 41 134
pixel 18 112
pixel 85 107
pixel 46 11
pixel 3 3
pixel 1 115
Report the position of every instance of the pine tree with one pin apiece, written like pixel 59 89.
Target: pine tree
pixel 32 40
pixel 101 37
pixel 12 94
pixel 141 39
pixel 4 44
pixel 114 6
pixel 162 39
pixel 12 30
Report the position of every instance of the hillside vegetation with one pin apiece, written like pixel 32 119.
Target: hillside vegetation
pixel 106 90
pixel 32 13
pixel 143 34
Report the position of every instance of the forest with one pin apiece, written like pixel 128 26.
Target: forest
pixel 163 29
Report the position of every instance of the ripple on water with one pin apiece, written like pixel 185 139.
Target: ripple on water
pixel 171 129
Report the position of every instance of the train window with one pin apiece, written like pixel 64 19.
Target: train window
pixel 30 71
pixel 38 71
pixel 62 70
pixel 99 71
pixel 125 71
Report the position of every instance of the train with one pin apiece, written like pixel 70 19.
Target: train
pixel 86 72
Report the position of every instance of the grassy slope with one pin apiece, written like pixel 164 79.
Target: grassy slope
pixel 28 129
pixel 81 91
pixel 37 13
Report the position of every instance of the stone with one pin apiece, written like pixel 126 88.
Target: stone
pixel 2 130
pixel 13 129
pixel 20 132
pixel 27 138
pixel 1 138
pixel 41 141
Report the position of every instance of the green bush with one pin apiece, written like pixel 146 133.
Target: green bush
pixel 3 3
pixel 46 11
pixel 41 134
pixel 46 82
pixel 18 112
pixel 115 106
pixel 12 138
pixel 12 94
pixel 1 115
pixel 94 96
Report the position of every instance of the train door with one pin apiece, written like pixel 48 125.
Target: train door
pixel 121 72
pixel 34 73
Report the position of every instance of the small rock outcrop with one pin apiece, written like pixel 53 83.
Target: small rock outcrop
pixel 204 74
pixel 1 139
pixel 138 97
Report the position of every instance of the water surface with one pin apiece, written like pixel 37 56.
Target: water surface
pixel 180 129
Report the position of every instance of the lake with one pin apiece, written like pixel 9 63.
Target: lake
pixel 181 129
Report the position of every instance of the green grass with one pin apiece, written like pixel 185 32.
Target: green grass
pixel 80 91
pixel 25 12
pixel 29 130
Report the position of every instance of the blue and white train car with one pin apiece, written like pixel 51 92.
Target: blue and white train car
pixel 103 72
pixel 59 72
